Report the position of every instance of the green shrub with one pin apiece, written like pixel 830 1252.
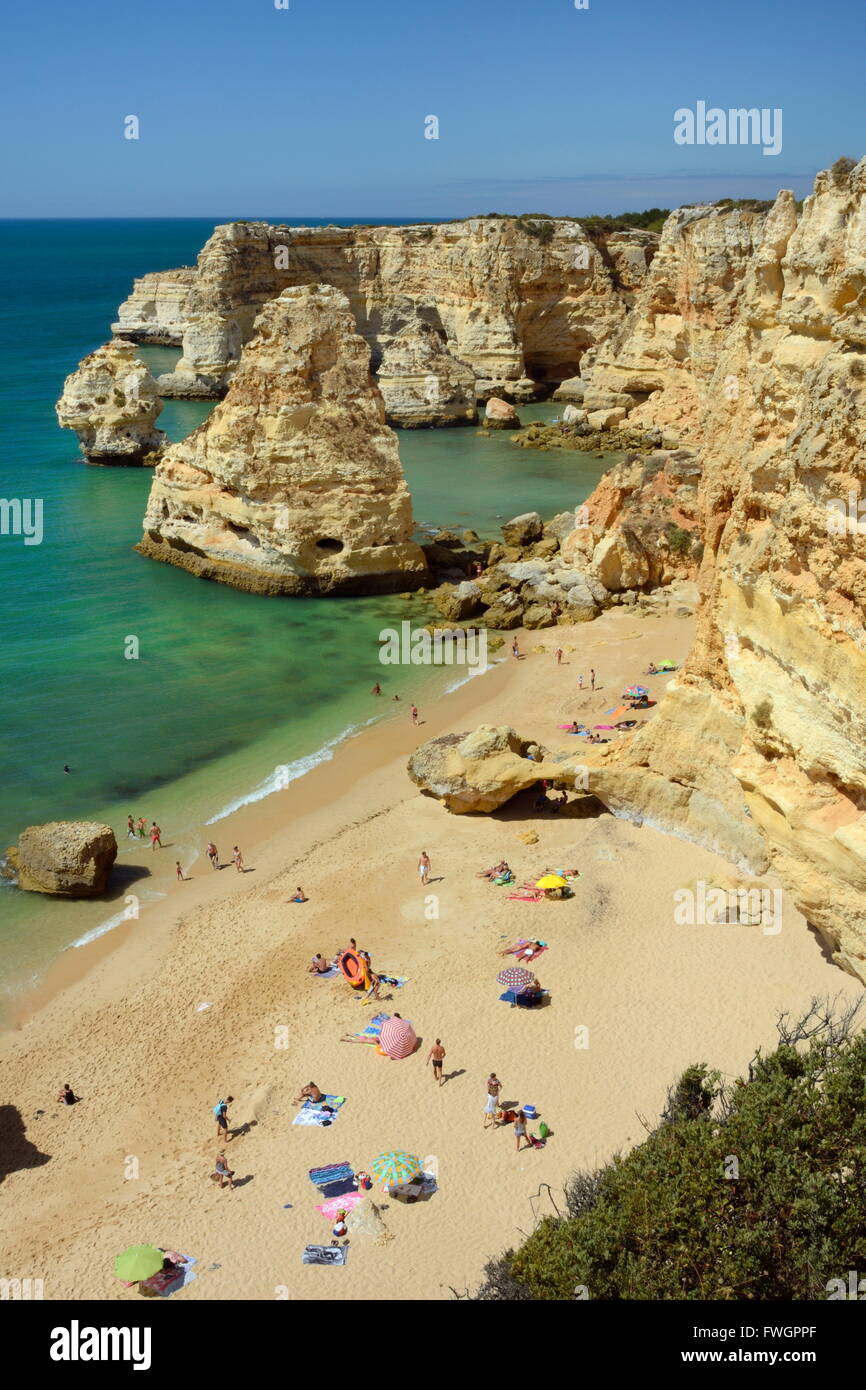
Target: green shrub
pixel 755 1190
pixel 679 540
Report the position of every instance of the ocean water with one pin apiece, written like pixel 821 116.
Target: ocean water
pixel 227 687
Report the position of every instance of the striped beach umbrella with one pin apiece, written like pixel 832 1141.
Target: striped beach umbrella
pixel 634 691
pixel 397 1038
pixel 513 977
pixel 396 1166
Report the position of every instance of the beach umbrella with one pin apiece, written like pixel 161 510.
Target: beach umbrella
pixel 138 1262
pixel 396 1166
pixel 513 977
pixel 552 881
pixel 667 666
pixel 397 1038
pixel 635 690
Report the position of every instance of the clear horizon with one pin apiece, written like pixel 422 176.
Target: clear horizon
pixel 326 106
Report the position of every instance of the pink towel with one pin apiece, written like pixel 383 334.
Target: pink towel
pixel 335 1204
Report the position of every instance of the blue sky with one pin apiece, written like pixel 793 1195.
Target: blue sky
pixel 319 109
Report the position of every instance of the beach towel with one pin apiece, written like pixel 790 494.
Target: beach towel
pixel 331 1173
pixel 164 1283
pixel 538 951
pixel 325 1255
pixel 326 974
pixel 314 1113
pixel 374 1027
pixel 393 981
pixel 335 1204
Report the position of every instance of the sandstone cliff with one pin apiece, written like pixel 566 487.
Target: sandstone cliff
pixel 112 404
pixel 155 311
pixel 760 748
pixel 422 384
pixel 519 302
pixel 293 485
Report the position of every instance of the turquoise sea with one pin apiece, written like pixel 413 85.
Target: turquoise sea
pixel 227 686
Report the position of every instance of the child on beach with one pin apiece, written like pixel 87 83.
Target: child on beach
pixel 179 871
pixel 238 859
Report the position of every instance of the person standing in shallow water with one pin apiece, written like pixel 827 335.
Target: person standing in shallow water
pixel 414 714
pixel 142 827
pixel 130 828
pixel 155 836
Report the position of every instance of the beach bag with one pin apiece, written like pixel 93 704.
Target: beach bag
pixel 543 1130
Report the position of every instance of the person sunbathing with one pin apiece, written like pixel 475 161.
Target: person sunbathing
pixel 310 1092
pixel 652 670
pixel 319 966
pixel 501 868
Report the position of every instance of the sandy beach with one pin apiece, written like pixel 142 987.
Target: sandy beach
pixel 122 1020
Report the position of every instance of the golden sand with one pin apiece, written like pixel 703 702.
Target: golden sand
pixel 122 1021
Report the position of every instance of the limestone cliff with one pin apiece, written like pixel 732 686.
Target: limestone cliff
pixel 760 748
pixel 155 311
pixel 422 384
pixel 293 485
pixel 518 301
pixel 112 404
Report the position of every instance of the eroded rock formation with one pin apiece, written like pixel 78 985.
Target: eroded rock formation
pixel 293 485
pixel 72 859
pixel 155 312
pixel 518 301
pixel 422 384
pixel 759 749
pixel 112 404
pixel 480 771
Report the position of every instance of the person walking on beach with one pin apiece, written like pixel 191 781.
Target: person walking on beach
pixel 130 828
pixel 155 834
pixel 520 1130
pixel 515 649
pixel 494 1086
pixel 221 1112
pixel 238 859
pixel 436 1055
pixel 558 656
pixel 424 867
pixel 181 878
pixel 223 1172
pixel 580 682
pixel 592 679
pixel 414 713
pixel 213 854
pixel 142 827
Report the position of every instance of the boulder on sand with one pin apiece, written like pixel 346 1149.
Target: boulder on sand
pixel 73 859
pixel 482 770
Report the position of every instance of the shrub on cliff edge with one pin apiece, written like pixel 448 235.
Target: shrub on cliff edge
pixel 750 1191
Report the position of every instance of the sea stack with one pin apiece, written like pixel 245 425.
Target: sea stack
pixel 112 403
pixel 293 485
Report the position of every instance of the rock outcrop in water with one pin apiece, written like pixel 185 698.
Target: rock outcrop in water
pixel 759 749
pixel 422 384
pixel 155 312
pixel 111 402
pixel 519 301
pixel 71 859
pixel 293 485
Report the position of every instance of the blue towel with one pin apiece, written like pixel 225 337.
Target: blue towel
pixel 509 997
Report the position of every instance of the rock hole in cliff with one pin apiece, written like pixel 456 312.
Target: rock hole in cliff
pixel 326 543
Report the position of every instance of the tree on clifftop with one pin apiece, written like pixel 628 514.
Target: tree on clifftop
pixel 750 1191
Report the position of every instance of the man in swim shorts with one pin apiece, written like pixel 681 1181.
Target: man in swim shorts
pixel 436 1055
pixel 494 1086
